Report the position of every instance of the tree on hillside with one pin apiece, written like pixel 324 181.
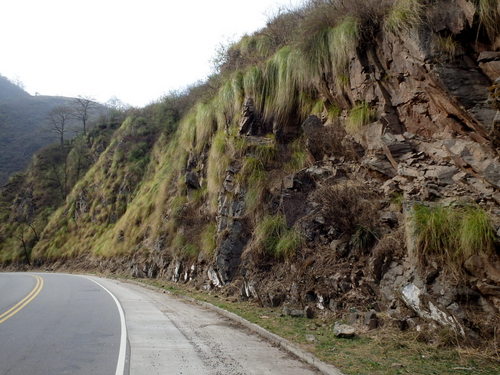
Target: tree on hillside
pixel 58 119
pixel 83 107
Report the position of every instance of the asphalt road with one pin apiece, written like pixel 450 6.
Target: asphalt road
pixel 67 325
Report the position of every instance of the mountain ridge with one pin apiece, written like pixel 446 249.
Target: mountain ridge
pixel 24 126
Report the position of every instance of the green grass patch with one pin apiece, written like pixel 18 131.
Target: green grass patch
pixel 333 112
pixel 273 236
pixel 218 162
pixel 251 167
pixel 298 161
pixel 404 15
pixel 299 157
pixel 452 233
pixel 266 153
pixel 343 40
pixel 288 244
pixel 208 240
pixel 360 115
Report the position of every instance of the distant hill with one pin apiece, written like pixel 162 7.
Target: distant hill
pixel 23 126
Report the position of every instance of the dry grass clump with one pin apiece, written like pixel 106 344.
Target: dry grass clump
pixel 348 206
pixel 387 248
pixel 448 47
pixel 489 16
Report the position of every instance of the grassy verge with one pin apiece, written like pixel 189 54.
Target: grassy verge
pixel 379 352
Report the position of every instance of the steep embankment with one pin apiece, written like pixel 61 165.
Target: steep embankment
pixel 29 198
pixel 344 158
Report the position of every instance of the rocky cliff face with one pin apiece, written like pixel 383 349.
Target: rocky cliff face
pixel 317 206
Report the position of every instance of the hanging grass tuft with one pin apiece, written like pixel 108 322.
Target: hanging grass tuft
pixel 404 16
pixel 452 233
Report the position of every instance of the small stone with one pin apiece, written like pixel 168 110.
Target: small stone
pixel 192 180
pixel 275 299
pixel 333 305
pixel 371 319
pixel 443 174
pixel 408 171
pixel 353 317
pixel 311 338
pixel 408 135
pixel 397 365
pixel 340 246
pixel 389 218
pixel 319 220
pixel 488 56
pixel 309 312
pixel 344 330
pixel 293 312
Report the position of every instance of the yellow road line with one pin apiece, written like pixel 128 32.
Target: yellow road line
pixel 21 304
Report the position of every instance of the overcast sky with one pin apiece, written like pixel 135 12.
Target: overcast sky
pixel 136 50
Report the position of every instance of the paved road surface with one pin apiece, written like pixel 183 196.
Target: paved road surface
pixel 73 326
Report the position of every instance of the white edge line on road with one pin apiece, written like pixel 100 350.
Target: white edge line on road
pixel 120 365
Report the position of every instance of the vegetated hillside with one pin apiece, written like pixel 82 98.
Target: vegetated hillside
pixel 24 126
pixel 29 198
pixel 344 159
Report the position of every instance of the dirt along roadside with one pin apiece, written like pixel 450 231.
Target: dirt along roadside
pixel 383 351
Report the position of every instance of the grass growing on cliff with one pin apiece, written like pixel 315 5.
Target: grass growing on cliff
pixel 250 168
pixel 343 42
pixel 288 244
pixel 253 175
pixel 206 124
pixel 183 248
pixel 452 234
pixel 328 49
pixel 404 15
pixel 298 160
pixel 218 162
pixel 360 115
pixel 489 16
pixel 476 232
pixel 299 157
pixel 208 240
pixel 252 84
pixel 448 46
pixel 282 81
pixel 273 236
pixel 266 152
pixel 269 232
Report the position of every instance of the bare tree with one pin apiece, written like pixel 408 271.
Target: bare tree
pixel 59 118
pixel 20 237
pixel 83 108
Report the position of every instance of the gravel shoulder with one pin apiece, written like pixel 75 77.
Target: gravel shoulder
pixel 167 333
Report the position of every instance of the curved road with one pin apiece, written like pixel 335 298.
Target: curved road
pixel 70 324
